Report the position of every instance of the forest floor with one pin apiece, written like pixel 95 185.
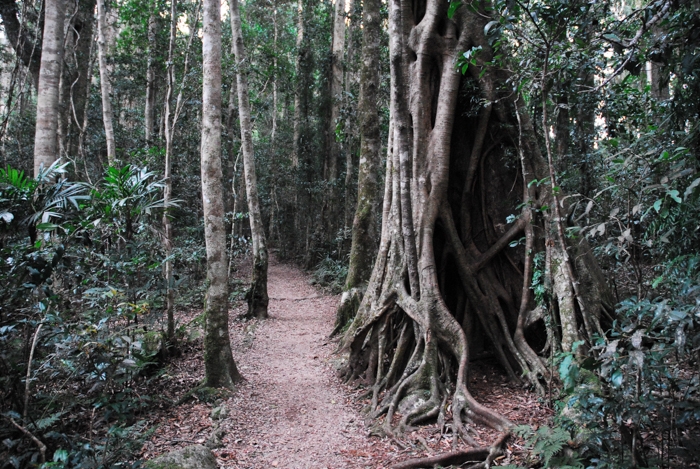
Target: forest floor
pixel 292 411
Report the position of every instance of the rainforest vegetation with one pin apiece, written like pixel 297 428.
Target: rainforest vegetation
pixel 510 182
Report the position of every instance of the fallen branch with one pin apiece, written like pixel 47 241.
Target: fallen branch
pixel 483 457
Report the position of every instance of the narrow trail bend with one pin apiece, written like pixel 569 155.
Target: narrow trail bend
pixel 292 412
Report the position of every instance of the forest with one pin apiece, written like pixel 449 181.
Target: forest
pixel 468 230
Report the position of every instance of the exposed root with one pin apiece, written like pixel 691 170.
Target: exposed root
pixel 482 457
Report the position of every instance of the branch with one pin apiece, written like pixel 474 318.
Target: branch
pixel 40 445
pixel 501 243
pixel 633 44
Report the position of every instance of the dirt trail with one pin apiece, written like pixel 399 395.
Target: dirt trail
pixel 292 412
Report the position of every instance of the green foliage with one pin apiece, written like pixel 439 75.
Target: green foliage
pixel 548 446
pixel 331 274
pixel 81 271
pixel 642 390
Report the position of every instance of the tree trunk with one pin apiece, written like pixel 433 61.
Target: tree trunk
pixel 446 273
pixel 300 109
pixel 171 118
pixel 337 51
pixel 169 134
pixel 150 111
pixel 364 230
pixel 76 75
pixel 220 368
pixel 257 295
pixel 105 86
pixel 46 136
pixel 26 46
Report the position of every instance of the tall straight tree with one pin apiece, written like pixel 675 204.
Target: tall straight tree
pixel 150 108
pixel 46 135
pixel 257 295
pixel 105 85
pixel 220 368
pixel 171 117
pixel 364 226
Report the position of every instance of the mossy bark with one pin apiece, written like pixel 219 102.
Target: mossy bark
pixel 220 368
pixel 257 295
pixel 364 228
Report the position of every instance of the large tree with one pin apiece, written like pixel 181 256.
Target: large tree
pixel 465 178
pixel 46 136
pixel 220 367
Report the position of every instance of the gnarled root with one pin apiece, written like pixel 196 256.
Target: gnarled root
pixel 481 457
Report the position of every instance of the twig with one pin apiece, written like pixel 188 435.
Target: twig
pixel 29 371
pixel 42 446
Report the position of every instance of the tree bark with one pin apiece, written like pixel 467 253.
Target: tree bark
pixel 76 75
pixel 105 85
pixel 150 108
pixel 46 136
pixel 171 118
pixel 257 295
pixel 446 274
pixel 220 368
pixel 364 230
pixel 27 47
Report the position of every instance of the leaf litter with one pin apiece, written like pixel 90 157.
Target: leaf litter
pixel 292 411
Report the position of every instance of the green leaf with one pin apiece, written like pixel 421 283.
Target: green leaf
pixel 657 205
pixel 691 188
pixel 454 6
pixel 674 195
pixel 617 378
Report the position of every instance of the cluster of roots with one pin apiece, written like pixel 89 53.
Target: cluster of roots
pixel 464 228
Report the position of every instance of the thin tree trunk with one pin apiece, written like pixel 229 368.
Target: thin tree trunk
pixel 257 295
pixel 150 114
pixel 169 134
pixel 300 93
pixel 46 136
pixel 337 51
pixel 273 132
pixel 171 118
pixel 364 229
pixel 105 86
pixel 220 368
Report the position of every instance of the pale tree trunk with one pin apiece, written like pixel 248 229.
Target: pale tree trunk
pixel 169 134
pixel 46 136
pixel 171 118
pixel 150 111
pixel 105 86
pixel 272 227
pixel 300 93
pixel 257 295
pixel 273 132
pixel 446 274
pixel 220 368
pixel 337 51
pixel 364 230
pixel 349 140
